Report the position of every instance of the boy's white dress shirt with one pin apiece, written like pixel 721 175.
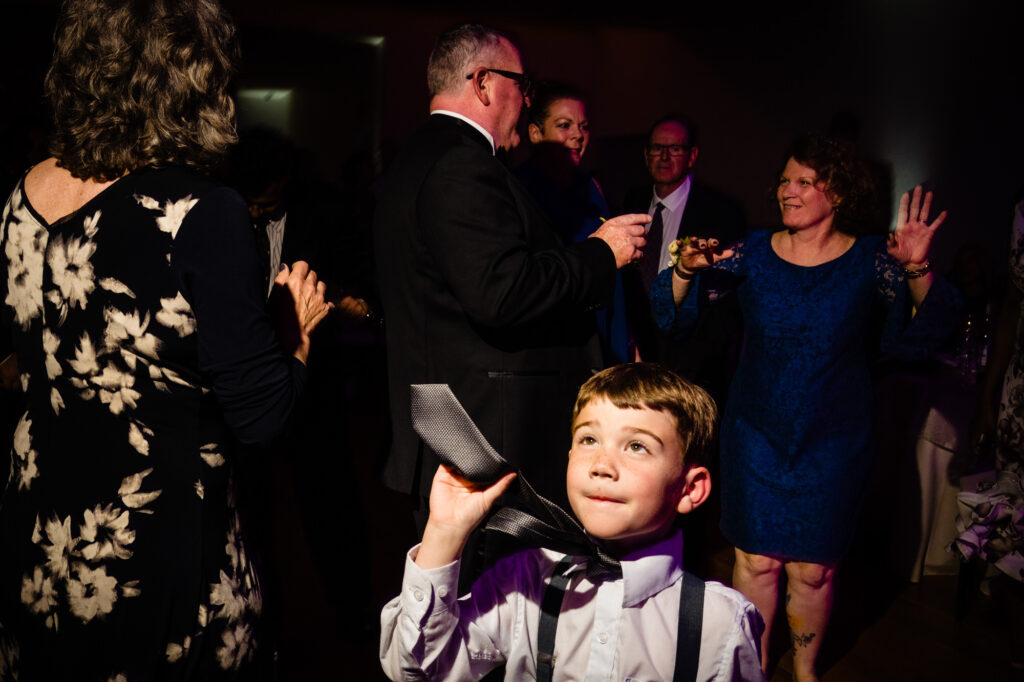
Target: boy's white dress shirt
pixel 615 629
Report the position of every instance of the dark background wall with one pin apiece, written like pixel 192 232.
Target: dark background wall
pixel 936 87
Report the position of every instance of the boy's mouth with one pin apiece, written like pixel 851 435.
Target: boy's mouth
pixel 602 498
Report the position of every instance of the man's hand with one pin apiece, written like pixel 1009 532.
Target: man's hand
pixel 625 235
pixel 457 506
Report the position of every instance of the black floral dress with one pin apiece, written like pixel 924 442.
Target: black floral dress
pixel 143 346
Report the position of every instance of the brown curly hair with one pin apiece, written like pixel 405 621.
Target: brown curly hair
pixel 137 83
pixel 845 176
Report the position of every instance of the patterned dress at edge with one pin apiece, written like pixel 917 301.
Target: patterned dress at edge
pixel 991 520
pixel 796 432
pixel 142 343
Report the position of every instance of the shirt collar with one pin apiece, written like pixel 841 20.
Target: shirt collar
pixel 676 197
pixel 490 138
pixel 647 571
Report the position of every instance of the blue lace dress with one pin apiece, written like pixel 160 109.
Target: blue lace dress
pixel 796 432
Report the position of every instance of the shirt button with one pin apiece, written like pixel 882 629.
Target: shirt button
pixel 417 594
pixel 442 592
pixel 603 638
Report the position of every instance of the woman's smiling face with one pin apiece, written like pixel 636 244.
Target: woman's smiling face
pixel 566 123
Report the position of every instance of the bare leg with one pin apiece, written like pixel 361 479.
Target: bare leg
pixel 757 577
pixel 808 605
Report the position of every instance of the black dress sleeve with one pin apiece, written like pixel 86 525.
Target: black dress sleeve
pixel 217 267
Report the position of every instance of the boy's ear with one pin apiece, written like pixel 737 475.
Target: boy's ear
pixel 696 488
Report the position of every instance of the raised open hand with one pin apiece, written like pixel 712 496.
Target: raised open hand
pixel 910 243
pixel 457 506
pixel 697 253
pixel 460 504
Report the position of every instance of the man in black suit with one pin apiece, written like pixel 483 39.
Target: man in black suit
pixel 686 208
pixel 478 291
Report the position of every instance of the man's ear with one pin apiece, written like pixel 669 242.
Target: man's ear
pixel 696 488
pixel 535 133
pixel 481 83
pixel 694 153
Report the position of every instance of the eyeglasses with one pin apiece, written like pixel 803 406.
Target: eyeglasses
pixel 672 149
pixel 522 80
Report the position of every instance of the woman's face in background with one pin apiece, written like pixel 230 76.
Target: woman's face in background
pixel 804 200
pixel 566 124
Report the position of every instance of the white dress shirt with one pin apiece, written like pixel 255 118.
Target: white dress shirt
pixel 445 112
pixel 671 216
pixel 621 629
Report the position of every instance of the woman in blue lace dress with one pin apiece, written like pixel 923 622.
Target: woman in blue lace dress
pixel 795 435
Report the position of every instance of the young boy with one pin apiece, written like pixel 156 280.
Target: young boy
pixel 638 432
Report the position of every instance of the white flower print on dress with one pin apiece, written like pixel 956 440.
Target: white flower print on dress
pixel 137 437
pixel 60 546
pixel 176 651
pixel 131 328
pixel 38 592
pixel 130 495
pixel 173 212
pixel 116 388
pixel 105 530
pixel 24 249
pixel 91 592
pixel 175 313
pixel 24 459
pixel 71 269
pixel 237 646
pixel 116 286
pixel 9 655
pixel 51 342
pixel 211 456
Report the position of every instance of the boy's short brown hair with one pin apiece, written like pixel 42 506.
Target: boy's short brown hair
pixel 648 384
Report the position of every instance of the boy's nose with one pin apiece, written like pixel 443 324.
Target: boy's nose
pixel 603 465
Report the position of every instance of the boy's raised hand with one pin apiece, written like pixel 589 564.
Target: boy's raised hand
pixel 457 506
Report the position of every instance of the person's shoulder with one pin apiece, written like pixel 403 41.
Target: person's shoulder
pixel 177 182
pixel 720 596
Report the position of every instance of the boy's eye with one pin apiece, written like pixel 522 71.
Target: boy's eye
pixel 637 446
pixel 586 440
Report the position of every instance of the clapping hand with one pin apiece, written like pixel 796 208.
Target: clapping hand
pixel 299 298
pixel 910 242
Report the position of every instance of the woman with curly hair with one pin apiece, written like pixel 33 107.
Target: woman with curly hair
pixel 795 434
pixel 135 300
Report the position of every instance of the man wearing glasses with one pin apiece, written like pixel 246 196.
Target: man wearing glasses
pixel 478 291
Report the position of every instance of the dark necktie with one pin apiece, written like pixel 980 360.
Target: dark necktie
pixel 652 252
pixel 442 423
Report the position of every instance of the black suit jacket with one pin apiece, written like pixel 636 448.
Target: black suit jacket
pixel 708 354
pixel 479 293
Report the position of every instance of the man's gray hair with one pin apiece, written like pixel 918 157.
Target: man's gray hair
pixel 454 53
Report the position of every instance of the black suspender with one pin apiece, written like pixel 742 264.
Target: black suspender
pixel 550 607
pixel 691 621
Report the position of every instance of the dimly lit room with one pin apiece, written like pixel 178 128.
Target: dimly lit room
pixel 858 466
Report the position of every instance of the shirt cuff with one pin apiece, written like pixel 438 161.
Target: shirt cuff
pixel 428 591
